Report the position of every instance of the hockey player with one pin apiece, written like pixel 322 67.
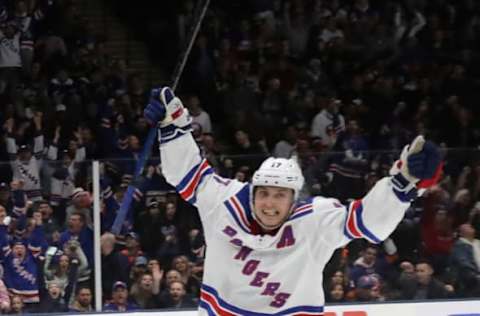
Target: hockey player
pixel 266 249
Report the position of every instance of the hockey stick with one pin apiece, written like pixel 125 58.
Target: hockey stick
pixel 145 154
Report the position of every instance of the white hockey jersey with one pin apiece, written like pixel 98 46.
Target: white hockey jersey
pixel 29 172
pixel 248 274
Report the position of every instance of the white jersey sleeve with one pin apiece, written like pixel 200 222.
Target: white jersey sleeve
pixel 374 217
pixel 192 175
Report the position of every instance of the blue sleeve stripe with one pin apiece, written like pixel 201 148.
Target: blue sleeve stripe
pixel 365 231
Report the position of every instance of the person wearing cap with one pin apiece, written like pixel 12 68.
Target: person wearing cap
pixel 62 182
pixel 120 301
pixel 20 262
pixel 138 269
pixel 148 222
pixel 329 122
pixel 81 203
pixel 25 161
pixel 363 289
pixel 132 248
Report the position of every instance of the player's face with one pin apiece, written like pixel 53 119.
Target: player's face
pixel 272 206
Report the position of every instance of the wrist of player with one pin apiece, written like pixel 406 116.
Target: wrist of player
pixel 171 116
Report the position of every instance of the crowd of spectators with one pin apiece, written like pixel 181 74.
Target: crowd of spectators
pixel 343 85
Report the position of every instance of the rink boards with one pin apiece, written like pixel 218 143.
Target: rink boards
pixel 450 308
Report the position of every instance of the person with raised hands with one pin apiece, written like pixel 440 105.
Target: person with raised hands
pixel 267 247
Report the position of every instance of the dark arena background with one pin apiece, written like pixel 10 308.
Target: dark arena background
pixel 343 85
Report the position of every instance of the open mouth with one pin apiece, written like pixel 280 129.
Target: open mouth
pixel 270 213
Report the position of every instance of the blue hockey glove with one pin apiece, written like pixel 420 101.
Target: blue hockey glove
pixel 420 165
pixel 155 110
pixel 165 108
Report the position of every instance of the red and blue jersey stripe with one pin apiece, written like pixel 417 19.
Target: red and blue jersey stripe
pixel 239 209
pixel 215 305
pixel 302 210
pixel 354 226
pixel 190 183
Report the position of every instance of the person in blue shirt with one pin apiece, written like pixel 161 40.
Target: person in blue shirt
pixel 120 301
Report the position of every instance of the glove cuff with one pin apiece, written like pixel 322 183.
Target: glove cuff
pixel 405 190
pixel 172 131
pixel 177 122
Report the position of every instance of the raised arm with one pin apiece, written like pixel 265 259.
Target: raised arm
pixel 10 140
pixel 52 152
pixel 80 153
pixel 38 241
pixel 418 168
pixel 182 164
pixel 4 245
pixel 38 140
pixel 376 216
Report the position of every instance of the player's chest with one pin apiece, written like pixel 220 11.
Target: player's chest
pixel 261 265
pixel 247 251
